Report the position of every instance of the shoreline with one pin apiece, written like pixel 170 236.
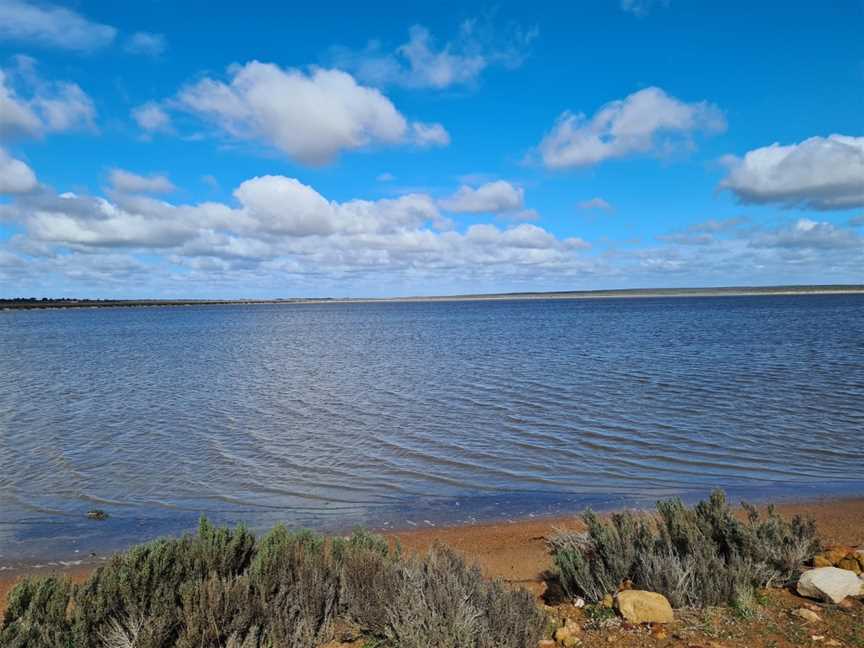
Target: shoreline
pixel 637 293
pixel 515 550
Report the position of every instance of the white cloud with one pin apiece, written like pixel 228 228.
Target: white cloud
pixel 625 127
pixel 15 176
pixel 641 8
pixel 279 226
pixel 806 233
pixel 152 118
pixel 129 182
pixel 52 26
pixel 146 44
pixel 419 63
pixel 311 117
pixel 385 177
pixel 429 135
pixel 821 173
pixel 34 107
pixel 492 197
pixel 595 203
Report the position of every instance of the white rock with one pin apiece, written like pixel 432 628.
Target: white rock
pixel 829 584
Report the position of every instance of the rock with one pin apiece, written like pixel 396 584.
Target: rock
pixel 97 514
pixel 637 606
pixel 836 554
pixel 571 642
pixel 545 643
pixel 822 561
pixel 850 564
pixel 808 615
pixel 561 634
pixel 829 584
pixel 579 602
pixel 607 601
pixel 859 556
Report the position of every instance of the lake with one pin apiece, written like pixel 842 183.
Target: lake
pixel 416 414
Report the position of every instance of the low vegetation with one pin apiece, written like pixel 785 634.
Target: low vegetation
pixel 696 557
pixel 222 588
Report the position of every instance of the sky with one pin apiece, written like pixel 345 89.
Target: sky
pixel 257 150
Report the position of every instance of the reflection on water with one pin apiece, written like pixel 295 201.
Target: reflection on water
pixel 418 413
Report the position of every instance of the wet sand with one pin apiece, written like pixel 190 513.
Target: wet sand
pixel 516 551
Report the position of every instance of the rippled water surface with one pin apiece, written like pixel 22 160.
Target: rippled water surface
pixel 416 413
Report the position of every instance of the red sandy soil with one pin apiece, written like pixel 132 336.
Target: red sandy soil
pixel 516 552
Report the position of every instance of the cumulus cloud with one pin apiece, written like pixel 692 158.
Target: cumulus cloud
pixel 15 176
pixel 821 173
pixel 31 106
pixel 146 44
pixel 278 226
pixel 52 26
pixel 429 135
pixel 310 117
pixel 492 197
pixel 129 182
pixel 152 118
pixel 595 203
pixel 638 124
pixel 421 63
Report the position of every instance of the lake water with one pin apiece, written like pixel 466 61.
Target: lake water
pixel 404 414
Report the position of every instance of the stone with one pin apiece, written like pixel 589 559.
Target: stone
pixel 822 561
pixel 850 564
pixel 808 615
pixel 579 602
pixel 97 514
pixel 545 643
pixel 607 601
pixel 571 642
pixel 829 584
pixel 561 634
pixel 637 606
pixel 836 554
pixel 859 556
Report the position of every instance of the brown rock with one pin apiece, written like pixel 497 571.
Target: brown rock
pixel 851 564
pixel 822 561
pixel 637 606
pixel 836 554
pixel 607 601
pixel 545 643
pixel 561 634
pixel 808 615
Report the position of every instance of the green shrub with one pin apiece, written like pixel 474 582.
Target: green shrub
pixel 219 588
pixel 442 602
pixel 37 615
pixel 695 557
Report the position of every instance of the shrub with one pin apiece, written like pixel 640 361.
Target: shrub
pixel 219 588
pixel 442 602
pixel 695 557
pixel 36 615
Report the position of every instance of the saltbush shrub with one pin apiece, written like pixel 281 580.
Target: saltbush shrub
pixel 696 557
pixel 220 588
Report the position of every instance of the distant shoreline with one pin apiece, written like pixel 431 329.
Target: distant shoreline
pixel 634 293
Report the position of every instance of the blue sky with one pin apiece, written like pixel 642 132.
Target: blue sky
pixel 246 150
